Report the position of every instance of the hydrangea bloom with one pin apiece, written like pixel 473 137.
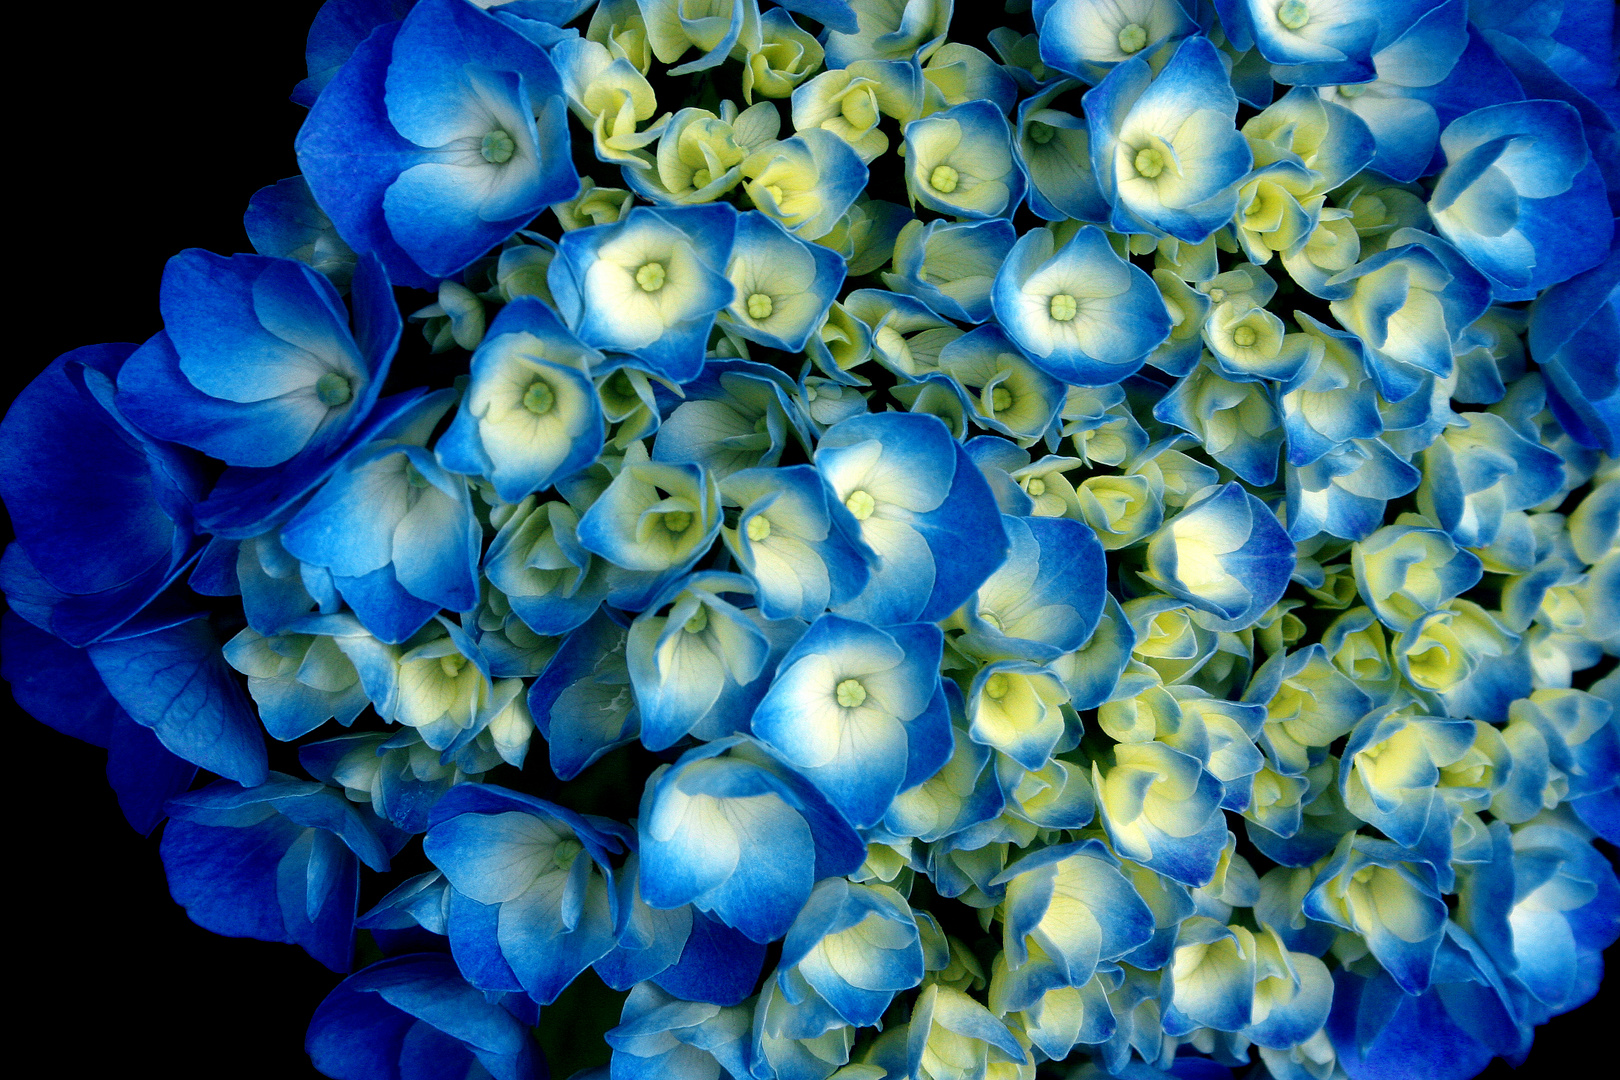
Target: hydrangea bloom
pixel 1140 604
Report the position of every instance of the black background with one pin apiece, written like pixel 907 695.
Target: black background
pixel 139 130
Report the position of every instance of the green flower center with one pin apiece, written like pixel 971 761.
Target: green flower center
pixel 943 179
pixel 997 685
pixel 1293 14
pixel 1040 133
pixel 861 504
pixel 414 477
pixel 1063 307
pixel 498 147
pixel 1149 162
pixel 452 664
pixel 1132 36
pixel 760 306
pixel 678 521
pixel 539 398
pixel 851 693
pixel 333 390
pixel 1000 398
pixel 650 276
pixel 566 852
pixel 758 527
pixel 1354 90
pixel 701 178
pixel 1244 336
pixel 699 620
pixel 1036 486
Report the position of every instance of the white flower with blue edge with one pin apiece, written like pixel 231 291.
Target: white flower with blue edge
pixel 855 946
pixel 1088 38
pixel 1225 554
pixel 794 540
pixel 531 414
pixel 1165 147
pixel 1080 312
pixel 911 489
pixel 806 183
pixel 1162 809
pixel 784 285
pixel 960 161
pixel 950 266
pixel 649 285
pixel 1380 891
pixel 859 712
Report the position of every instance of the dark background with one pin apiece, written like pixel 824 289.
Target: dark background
pixel 148 128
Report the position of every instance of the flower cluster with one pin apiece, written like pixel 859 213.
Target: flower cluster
pixel 924 560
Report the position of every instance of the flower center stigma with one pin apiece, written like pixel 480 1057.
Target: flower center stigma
pixel 1063 307
pixel 539 398
pixel 566 852
pixel 758 528
pixel 851 693
pixel 760 306
pixel 943 179
pixel 650 276
pixel 497 147
pixel 333 390
pixel 452 663
pixel 1040 133
pixel 698 621
pixel 1149 162
pixel 997 685
pixel 1293 14
pixel 1243 337
pixel 1132 36
pixel 861 504
pixel 678 521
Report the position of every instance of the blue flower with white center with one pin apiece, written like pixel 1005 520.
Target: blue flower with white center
pixel 661 1036
pixel 960 161
pixel 1068 908
pixel 855 946
pixel 1045 600
pixel 416 1012
pixel 736 834
pixel 964 792
pixel 1521 196
pixel 1165 148
pixel 1250 344
pixel 1003 391
pixel 299 679
pixel 1225 554
pixel 582 701
pixel 1162 809
pixel 395 529
pixel 922 507
pixel 1344 492
pixel 1080 312
pixel 806 183
pixel 784 285
pixel 257 363
pixel 1481 469
pixel 1314 42
pixel 1211 977
pixel 737 415
pixel 531 415
pixel 859 712
pixel 649 285
pixel 950 266
pixel 1331 401
pixel 797 542
pixel 1017 708
pixel 1381 891
pixel 276 862
pixel 1404 571
pixel 1088 38
pixel 654 521
pixel 437 139
pixel 797 1035
pixel 885 30
pixel 906 336
pixel 1389 769
pixel 283 221
pixel 952 1037
pixel 1409 304
pixel 702 667
pixel 533 895
pixel 551 581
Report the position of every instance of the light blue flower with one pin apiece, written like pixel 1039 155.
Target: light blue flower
pixel 299 679
pixel 1331 401
pixel 1162 809
pixel 395 529
pixel 1081 313
pixel 1165 148
pixel 702 667
pixel 871 925
pixel 531 415
pixel 549 579
pixel 1045 600
pixel 739 836
pixel 1390 766
pixel 1521 197
pixel 1345 491
pixel 283 221
pixel 533 887
pixel 794 540
pixel 950 266
pixel 1088 38
pixel 1404 571
pixel 649 285
pixel 1068 908
pixel 738 414
pixel 1480 470
pixel 784 285
pixel 1377 889
pixel 921 506
pixel 885 30
pixel 654 521
pixel 858 711
pixel 1053 147
pixel 582 702
pixel 1225 554
pixel 806 183
pixel 1315 42
pixel 660 1036
pixel 1574 334
pixel 436 140
pixel 960 161
pixel 1001 389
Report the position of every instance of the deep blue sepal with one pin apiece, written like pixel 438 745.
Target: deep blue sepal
pixel 175 681
pixel 719 965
